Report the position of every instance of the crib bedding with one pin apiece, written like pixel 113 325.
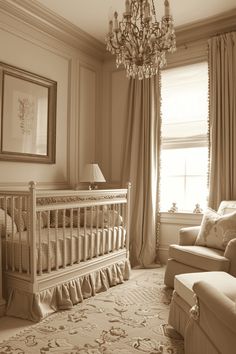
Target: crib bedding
pixel 72 245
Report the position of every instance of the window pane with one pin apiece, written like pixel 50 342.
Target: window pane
pixel 172 190
pixel 172 162
pixel 183 178
pixel 196 161
pixel 196 192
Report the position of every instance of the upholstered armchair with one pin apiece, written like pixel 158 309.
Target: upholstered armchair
pixel 212 326
pixel 187 257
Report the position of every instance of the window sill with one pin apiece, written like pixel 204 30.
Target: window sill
pixel 181 218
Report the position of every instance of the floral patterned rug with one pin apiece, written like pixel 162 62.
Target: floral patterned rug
pixel 129 318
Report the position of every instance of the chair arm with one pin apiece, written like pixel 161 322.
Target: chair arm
pixel 230 253
pixel 217 303
pixel 188 235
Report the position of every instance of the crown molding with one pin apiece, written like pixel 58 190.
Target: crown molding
pixel 225 22
pixel 38 16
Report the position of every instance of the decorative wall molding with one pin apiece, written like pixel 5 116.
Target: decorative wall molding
pixel 87 114
pixel 189 53
pixel 29 33
pixel 36 40
pixel 35 14
pixel 206 28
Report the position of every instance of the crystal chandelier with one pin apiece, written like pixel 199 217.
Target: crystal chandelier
pixel 139 41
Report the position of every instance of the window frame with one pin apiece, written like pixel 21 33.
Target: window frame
pixel 184 143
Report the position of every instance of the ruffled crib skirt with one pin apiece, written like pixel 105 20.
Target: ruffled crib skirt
pixel 35 307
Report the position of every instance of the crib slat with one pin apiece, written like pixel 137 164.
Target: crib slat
pixel 117 227
pixel 78 235
pixel 48 242
pixel 108 231
pixel 28 233
pixel 123 213
pixel 20 235
pixel 71 237
pixel 12 232
pixel 103 233
pixel 56 237
pixel 85 236
pixel 64 237
pixel 97 231
pixel 40 244
pixel 32 231
pixel 6 239
pixel 113 227
pixel 91 233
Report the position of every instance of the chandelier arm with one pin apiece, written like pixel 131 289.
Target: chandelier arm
pixel 113 46
pixel 135 6
pixel 154 11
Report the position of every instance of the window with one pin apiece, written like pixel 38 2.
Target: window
pixel 184 150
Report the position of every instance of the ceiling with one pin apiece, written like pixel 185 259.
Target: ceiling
pixel 92 16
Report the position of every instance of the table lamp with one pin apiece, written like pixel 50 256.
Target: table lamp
pixel 92 174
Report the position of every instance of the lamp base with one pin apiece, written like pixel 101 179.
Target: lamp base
pixel 92 186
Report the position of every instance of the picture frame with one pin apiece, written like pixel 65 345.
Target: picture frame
pixel 28 116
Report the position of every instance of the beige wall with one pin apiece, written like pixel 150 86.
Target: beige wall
pixel 78 79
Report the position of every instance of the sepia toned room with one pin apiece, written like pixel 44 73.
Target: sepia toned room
pixel 117 183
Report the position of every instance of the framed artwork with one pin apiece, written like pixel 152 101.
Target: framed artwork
pixel 28 116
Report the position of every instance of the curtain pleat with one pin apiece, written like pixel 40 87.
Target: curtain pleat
pixel 222 117
pixel 140 166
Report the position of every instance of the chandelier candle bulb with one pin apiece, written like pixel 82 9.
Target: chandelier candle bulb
pixel 110 26
pixel 147 11
pixel 139 42
pixel 167 8
pixel 116 26
pixel 127 6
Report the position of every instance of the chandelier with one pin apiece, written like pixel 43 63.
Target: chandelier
pixel 139 41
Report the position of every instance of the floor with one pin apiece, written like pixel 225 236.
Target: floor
pixel 9 326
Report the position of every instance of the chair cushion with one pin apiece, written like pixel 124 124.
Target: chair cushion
pixel 209 259
pixel 216 230
pixel 224 282
pixel 227 206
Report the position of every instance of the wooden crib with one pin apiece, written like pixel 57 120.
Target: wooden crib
pixel 59 247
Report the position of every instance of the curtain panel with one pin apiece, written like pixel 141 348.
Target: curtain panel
pixel 141 166
pixel 222 118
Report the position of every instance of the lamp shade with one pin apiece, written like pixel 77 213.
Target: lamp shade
pixel 92 173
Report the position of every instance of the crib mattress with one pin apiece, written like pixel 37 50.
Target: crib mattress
pixel 61 248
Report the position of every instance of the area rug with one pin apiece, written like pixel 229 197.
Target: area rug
pixel 128 318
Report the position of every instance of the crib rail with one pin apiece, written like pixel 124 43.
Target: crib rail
pixel 51 230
